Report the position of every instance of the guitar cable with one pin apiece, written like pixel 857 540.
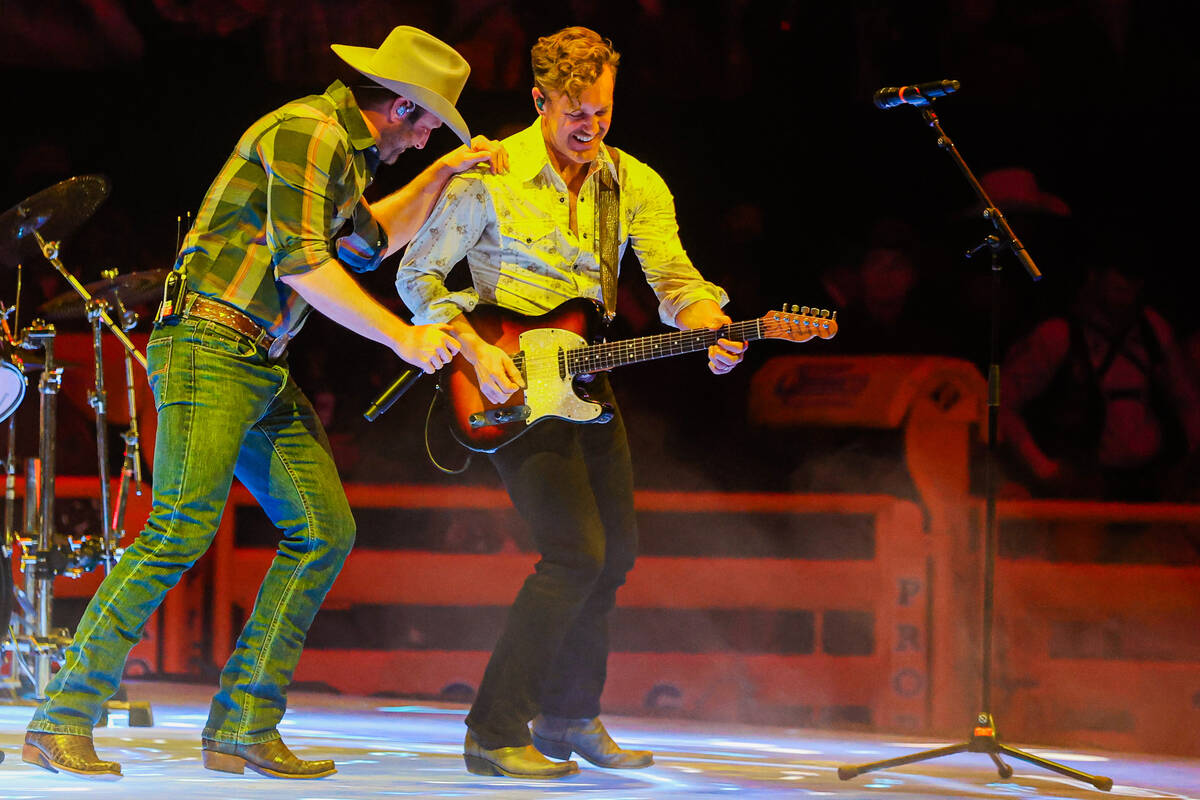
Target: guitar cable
pixel 429 451
pixel 394 392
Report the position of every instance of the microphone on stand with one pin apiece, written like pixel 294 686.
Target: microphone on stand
pixel 918 94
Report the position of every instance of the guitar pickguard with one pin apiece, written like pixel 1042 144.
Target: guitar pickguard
pixel 549 390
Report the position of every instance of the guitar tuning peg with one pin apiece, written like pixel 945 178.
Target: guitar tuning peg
pixel 825 313
pixel 804 310
pixel 835 316
pixel 784 309
pixel 795 309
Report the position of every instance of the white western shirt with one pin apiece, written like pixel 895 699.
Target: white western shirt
pixel 514 230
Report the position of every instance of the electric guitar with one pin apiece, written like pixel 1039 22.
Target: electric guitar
pixel 554 354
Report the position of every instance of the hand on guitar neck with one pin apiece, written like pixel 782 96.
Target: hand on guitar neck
pixel 725 354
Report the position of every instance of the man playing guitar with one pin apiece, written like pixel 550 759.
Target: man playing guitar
pixel 550 230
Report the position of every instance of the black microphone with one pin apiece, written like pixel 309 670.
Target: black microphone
pixel 392 393
pixel 918 94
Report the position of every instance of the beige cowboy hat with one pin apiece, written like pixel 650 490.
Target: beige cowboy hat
pixel 418 66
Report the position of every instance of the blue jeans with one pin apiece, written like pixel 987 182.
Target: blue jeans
pixel 224 409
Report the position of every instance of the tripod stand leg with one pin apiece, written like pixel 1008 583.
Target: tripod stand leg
pixel 138 713
pixel 1099 781
pixel 853 770
pixel 1004 769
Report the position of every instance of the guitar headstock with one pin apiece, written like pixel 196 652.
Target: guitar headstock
pixel 799 323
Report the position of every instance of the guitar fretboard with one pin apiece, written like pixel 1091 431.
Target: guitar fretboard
pixel 609 355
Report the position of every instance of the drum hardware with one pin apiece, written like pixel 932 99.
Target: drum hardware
pixel 39 505
pixel 132 288
pixel 50 250
pixel 44 219
pixel 131 467
pixel 98 400
pixel 52 214
pixel 12 368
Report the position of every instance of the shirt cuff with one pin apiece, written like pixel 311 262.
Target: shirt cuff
pixel 671 305
pixel 359 254
pixel 446 308
pixel 304 257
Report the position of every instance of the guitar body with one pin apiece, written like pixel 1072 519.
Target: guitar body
pixel 550 393
pixel 555 353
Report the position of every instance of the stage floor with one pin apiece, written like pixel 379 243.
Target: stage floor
pixel 393 748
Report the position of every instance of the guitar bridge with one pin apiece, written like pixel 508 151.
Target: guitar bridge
pixel 498 416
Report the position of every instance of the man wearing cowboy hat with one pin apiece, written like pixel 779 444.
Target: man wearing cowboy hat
pixel 260 254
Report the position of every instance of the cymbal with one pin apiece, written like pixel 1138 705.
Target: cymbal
pixel 132 287
pixel 54 212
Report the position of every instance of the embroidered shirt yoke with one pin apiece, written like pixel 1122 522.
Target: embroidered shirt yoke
pixel 514 230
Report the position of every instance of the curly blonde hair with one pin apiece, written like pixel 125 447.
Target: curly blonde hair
pixel 571 60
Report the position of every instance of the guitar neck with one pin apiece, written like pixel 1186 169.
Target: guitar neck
pixel 609 355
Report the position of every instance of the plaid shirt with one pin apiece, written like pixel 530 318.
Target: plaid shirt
pixel 295 178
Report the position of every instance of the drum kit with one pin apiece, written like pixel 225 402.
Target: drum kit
pixel 32 231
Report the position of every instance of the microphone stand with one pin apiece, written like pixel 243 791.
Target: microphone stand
pixel 983 734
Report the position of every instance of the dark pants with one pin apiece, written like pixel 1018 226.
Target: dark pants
pixel 573 485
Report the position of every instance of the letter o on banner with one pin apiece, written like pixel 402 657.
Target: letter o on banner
pixel 908 683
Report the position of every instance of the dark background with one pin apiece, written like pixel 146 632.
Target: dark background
pixel 757 113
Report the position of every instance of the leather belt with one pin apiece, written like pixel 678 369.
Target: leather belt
pixel 198 306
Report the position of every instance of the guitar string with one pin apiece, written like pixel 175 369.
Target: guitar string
pixel 610 354
pixel 607 355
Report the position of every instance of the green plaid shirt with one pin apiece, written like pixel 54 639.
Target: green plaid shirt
pixel 295 178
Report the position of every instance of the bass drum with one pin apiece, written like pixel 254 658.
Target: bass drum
pixel 12 381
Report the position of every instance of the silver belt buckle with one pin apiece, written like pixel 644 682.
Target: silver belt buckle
pixel 278 346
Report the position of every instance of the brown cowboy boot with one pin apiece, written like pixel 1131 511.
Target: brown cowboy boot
pixel 515 762
pixel 67 752
pixel 272 759
pixel 558 737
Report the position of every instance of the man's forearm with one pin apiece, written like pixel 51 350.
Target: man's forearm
pixel 699 314
pixel 467 336
pixel 403 211
pixel 330 290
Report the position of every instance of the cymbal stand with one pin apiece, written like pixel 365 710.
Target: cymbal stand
pixel 10 492
pixel 7 548
pixel 50 252
pixel 39 510
pixel 97 309
pixel 98 400
pixel 131 469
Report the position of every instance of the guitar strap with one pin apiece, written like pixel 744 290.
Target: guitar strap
pixel 607 233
